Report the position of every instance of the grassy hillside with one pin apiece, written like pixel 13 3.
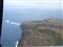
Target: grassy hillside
pixel 42 33
pixel 56 22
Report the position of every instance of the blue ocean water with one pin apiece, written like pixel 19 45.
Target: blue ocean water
pixel 11 33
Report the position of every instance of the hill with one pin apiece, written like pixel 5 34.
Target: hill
pixel 41 33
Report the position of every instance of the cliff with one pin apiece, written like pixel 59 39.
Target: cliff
pixel 41 33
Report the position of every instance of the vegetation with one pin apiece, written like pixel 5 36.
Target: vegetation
pixel 51 28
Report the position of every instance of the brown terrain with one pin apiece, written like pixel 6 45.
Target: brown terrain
pixel 48 32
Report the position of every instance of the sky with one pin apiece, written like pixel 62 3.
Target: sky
pixel 34 3
pixel 41 4
pixel 18 2
pixel 33 0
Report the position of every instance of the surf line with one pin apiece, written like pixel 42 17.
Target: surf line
pixel 13 23
pixel 16 44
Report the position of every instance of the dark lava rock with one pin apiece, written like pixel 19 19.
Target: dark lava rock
pixel 41 33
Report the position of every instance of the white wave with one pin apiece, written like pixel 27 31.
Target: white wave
pixel 12 22
pixel 7 21
pixel 16 44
